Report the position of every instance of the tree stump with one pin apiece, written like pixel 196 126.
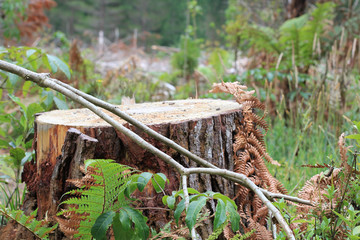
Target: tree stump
pixel 204 126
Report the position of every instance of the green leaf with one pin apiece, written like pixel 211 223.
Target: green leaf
pixel 224 198
pixel 143 180
pixel 32 58
pixel 129 190
pixel 179 209
pixel 158 182
pixel 32 109
pixel 30 52
pixel 46 62
pixel 190 191
pixel 220 214
pixel 356 230
pixel 49 98
pixel 122 228
pixel 26 87
pixel 18 102
pixel 17 154
pixel 341 217
pixel 102 224
pixel 124 220
pixel 4 144
pixel 60 104
pixel 26 158
pixel 13 78
pixel 234 217
pixel 353 136
pixel 56 62
pixel 170 202
pixel 139 221
pixel 193 211
pixel 164 199
pixel 23 123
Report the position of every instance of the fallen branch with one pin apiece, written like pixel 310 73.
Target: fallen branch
pixel 115 110
pixel 43 80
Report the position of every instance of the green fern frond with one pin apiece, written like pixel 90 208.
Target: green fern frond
pixel 245 236
pixel 215 234
pixel 101 191
pixel 38 228
pixel 263 38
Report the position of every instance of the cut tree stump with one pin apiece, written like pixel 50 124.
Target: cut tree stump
pixel 65 138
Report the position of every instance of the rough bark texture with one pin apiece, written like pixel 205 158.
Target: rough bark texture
pixel 205 127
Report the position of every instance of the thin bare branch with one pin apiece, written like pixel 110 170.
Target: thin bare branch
pixel 187 202
pixel 44 80
pixel 245 181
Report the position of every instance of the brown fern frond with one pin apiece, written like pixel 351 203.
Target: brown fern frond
pixel 259 121
pixel 261 213
pixel 343 154
pixel 261 149
pixel 241 193
pixel 69 228
pixel 256 205
pixel 249 154
pixel 261 231
pixel 249 170
pixel 254 102
pixel 228 233
pixel 233 88
pixel 259 136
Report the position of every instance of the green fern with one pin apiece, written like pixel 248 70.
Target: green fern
pixel 301 32
pixel 102 190
pixel 243 237
pixel 215 234
pixel 38 228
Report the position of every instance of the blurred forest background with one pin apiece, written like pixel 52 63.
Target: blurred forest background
pixel 301 56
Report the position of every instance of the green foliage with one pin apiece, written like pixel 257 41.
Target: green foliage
pixel 244 236
pixel 295 37
pixel 186 59
pixel 215 234
pixel 31 58
pixel 219 60
pixel 16 131
pixel 105 202
pixel 356 136
pixel 226 208
pixel 11 9
pixel 128 223
pixel 107 193
pixel 39 229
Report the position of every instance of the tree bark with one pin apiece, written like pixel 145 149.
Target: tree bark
pixel 205 127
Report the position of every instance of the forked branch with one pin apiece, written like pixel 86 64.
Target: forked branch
pixel 90 102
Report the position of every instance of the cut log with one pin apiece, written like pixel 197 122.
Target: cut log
pixel 205 127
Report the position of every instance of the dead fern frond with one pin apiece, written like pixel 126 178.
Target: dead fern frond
pixel 315 189
pixel 249 154
pixel 343 154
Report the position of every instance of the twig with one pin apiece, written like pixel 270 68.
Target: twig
pixel 153 208
pixel 187 202
pixel 115 110
pixel 245 181
pixel 43 80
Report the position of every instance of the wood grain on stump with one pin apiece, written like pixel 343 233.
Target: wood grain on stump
pixel 205 127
